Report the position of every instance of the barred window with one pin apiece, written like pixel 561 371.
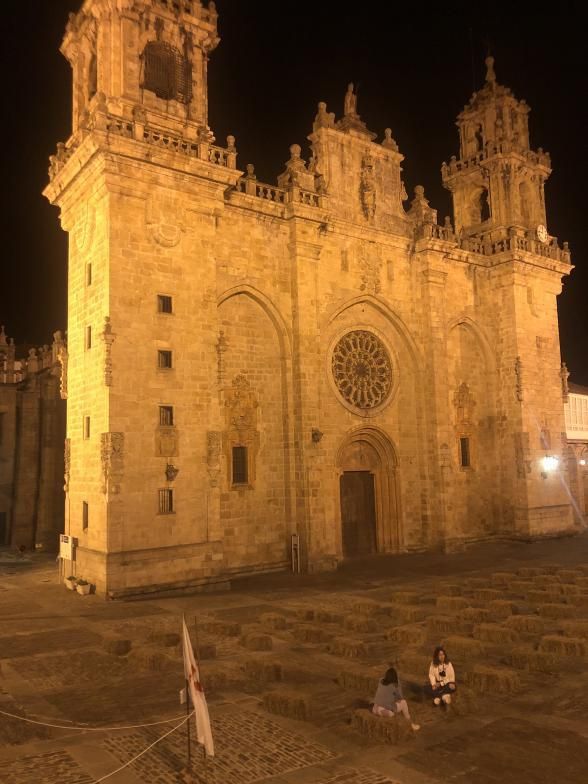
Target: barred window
pixel 167 72
pixel 166 416
pixel 164 359
pixel 240 467
pixel 464 453
pixel 166 501
pixel 164 303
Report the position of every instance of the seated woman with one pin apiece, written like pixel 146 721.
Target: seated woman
pixel 441 678
pixel 389 700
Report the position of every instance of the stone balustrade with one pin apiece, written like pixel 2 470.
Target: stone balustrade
pixel 261 190
pixel 491 149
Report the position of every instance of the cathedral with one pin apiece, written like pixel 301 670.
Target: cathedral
pixel 273 376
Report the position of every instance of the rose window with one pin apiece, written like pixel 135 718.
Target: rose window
pixel 361 369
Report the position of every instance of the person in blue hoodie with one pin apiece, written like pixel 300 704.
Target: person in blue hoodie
pixel 389 700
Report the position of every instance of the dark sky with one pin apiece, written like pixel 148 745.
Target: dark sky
pixel 415 63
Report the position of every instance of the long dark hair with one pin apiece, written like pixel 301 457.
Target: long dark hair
pixel 436 653
pixel 391 676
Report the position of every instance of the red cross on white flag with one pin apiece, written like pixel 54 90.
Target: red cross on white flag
pixel 192 673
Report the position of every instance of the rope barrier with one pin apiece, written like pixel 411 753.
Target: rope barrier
pixel 135 758
pixel 85 728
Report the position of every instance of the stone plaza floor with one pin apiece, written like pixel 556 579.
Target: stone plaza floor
pixel 288 663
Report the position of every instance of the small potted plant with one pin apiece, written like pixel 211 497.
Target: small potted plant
pixel 70 582
pixel 83 587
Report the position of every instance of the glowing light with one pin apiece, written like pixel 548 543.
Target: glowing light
pixel 549 463
pixel 582 462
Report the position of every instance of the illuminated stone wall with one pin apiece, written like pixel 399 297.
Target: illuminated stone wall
pixel 268 287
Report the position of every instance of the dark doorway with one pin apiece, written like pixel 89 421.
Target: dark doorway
pixel 358 513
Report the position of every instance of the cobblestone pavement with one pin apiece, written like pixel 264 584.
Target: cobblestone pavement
pixel 289 665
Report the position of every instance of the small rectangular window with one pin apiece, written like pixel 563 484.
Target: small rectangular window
pixel 240 472
pixel 166 501
pixel 164 359
pixel 164 303
pixel 464 452
pixel 88 337
pixel 166 416
pixel 86 427
pixel 88 274
pixel 85 515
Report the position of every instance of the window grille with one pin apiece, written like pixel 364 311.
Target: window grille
pixel 240 467
pixel 164 303
pixel 464 452
pixel 167 72
pixel 166 501
pixel 166 416
pixel 164 359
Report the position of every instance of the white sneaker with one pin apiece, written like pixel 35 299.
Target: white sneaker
pixel 446 699
pixel 415 727
pixel 437 701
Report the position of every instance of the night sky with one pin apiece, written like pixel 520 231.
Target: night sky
pixel 416 68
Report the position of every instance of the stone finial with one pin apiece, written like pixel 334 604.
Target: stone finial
pixel 250 168
pixel 389 142
pixel 296 173
pixel 231 144
pixel 490 73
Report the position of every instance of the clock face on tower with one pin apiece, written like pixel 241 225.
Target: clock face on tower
pixel 542 235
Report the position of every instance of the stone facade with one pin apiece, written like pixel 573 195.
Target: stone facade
pixel 32 431
pixel 249 362
pixel 576 417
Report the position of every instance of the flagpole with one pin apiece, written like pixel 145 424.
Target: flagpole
pixel 202 682
pixel 188 725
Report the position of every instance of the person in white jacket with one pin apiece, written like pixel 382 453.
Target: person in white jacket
pixel 441 678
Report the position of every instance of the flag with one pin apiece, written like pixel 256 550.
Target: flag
pixel 192 673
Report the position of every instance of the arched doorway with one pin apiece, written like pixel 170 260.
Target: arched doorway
pixel 370 517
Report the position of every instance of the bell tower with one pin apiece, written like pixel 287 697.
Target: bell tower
pixel 498 181
pixel 140 55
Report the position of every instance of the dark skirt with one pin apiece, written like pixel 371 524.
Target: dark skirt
pixel 432 693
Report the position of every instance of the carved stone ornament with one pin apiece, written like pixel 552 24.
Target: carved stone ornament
pixel 213 453
pixel 165 220
pixel 464 405
pixel 362 370
pixel 522 454
pixel 112 458
pixel 108 338
pixel 241 409
pixel 370 265
pixel 166 441
pixel 66 464
pixel 171 472
pixel 518 367
pixel 83 229
pixel 60 348
pixel 564 375
pixel 367 187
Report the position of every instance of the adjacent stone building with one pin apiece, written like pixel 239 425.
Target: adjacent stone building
pixel 576 417
pixel 312 363
pixel 32 430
